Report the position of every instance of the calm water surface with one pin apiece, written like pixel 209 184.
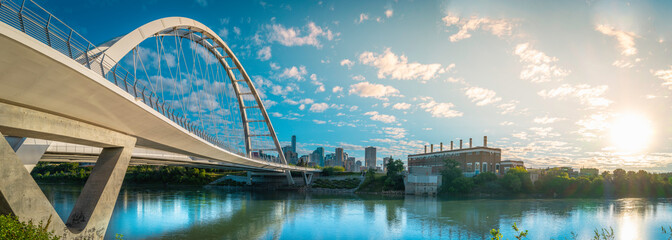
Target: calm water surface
pixel 150 212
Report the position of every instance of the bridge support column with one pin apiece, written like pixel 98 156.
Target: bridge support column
pixel 21 196
pixel 290 179
pixel 307 178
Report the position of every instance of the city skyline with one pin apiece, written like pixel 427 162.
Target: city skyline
pixel 552 83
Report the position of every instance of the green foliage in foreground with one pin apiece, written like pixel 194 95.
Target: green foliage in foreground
pixel 349 183
pixel 12 228
pixel 73 173
pixel 600 234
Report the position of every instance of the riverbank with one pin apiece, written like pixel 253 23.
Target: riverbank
pixel 166 175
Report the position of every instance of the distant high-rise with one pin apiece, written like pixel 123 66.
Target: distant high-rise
pixel 370 157
pixel 318 156
pixel 329 159
pixel 291 156
pixel 350 164
pixel 293 143
pixel 339 157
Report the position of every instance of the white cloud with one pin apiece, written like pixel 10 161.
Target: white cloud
pixel 509 107
pixel 506 123
pixel 427 129
pixel 593 125
pixel 521 135
pixel 236 30
pixel 359 78
pixel 540 67
pixel 401 106
pixel 280 90
pixel 389 13
pixel 319 107
pixel 440 110
pixel 481 96
pixel 398 67
pixel 587 95
pixel 497 27
pixel 320 89
pixel 319 121
pixel 394 132
pixel 348 63
pixel 666 76
pixel 626 40
pixel 543 131
pixel 274 66
pixel 294 72
pixel 293 36
pixel 264 53
pixel 337 89
pixel 546 120
pixel 353 108
pixel 223 33
pixel 362 17
pixel 379 91
pixel 276 114
pixel 381 117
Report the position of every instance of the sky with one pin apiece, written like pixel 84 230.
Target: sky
pixel 552 83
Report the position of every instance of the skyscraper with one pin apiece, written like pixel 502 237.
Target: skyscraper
pixel 318 156
pixel 293 143
pixel 338 157
pixel 370 157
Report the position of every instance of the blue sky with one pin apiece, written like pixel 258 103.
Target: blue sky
pixel 571 83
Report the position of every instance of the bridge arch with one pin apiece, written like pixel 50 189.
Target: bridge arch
pixel 109 54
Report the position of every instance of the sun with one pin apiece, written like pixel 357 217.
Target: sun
pixel 631 132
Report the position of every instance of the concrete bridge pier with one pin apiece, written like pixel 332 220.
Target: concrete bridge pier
pixel 21 196
pixel 307 178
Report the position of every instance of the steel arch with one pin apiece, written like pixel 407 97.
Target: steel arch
pixel 111 52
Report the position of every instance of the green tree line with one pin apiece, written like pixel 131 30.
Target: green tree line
pixel 558 183
pixel 74 173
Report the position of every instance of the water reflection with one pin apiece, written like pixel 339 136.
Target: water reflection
pixel 150 212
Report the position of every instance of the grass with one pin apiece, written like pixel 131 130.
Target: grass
pixel 373 186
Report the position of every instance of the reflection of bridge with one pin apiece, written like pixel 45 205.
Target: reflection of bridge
pixel 185 93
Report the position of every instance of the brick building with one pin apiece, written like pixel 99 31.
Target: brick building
pixel 472 160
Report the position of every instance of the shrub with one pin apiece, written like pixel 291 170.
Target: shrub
pixel 12 228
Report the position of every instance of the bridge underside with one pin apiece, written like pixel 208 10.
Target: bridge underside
pixel 21 196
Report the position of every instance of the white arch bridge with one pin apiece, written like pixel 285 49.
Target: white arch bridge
pixel 171 85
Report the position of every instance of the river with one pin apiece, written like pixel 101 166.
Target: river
pixel 157 212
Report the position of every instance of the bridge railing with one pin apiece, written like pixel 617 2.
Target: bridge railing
pixel 35 21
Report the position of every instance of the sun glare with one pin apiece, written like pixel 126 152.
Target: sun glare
pixel 631 132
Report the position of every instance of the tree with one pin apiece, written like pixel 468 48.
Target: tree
pixel 463 184
pixel 394 180
pixel 450 172
pixel 484 177
pixel 394 167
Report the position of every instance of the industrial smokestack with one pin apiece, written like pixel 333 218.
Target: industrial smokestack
pixel 451 145
pixel 441 147
pixel 431 147
pixel 470 145
pixel 425 148
pixel 485 141
pixel 460 143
